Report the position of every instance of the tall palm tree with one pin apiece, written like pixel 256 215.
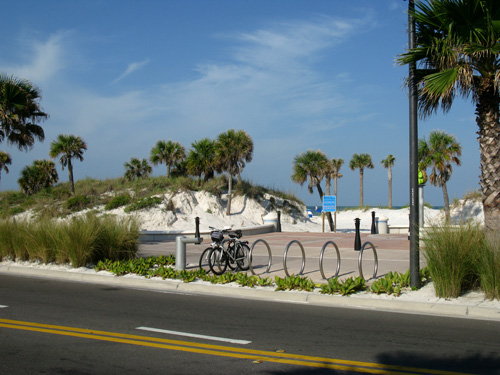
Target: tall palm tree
pixel 41 174
pixel 137 168
pixel 457 51
pixel 336 165
pixel 310 166
pixel 232 150
pixel 439 152
pixel 68 147
pixel 201 159
pixel 5 160
pixel 168 152
pixel 245 151
pixel 20 112
pixel 388 163
pixel 361 161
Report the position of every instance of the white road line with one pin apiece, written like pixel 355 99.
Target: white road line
pixel 3 306
pixel 232 341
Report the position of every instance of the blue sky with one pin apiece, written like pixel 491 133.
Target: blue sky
pixel 295 75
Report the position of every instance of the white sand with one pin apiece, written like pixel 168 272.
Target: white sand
pixel 247 212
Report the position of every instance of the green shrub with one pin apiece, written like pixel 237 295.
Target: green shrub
pixel 77 203
pixel 118 201
pixel 451 255
pixel 144 203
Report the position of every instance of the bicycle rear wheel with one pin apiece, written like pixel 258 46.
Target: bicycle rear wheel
pixel 217 261
pixel 242 254
pixel 229 246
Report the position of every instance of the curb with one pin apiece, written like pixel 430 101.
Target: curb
pixel 352 302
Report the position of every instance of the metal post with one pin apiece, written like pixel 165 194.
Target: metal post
pixel 278 227
pixel 357 238
pixel 414 221
pixel 374 227
pixel 197 222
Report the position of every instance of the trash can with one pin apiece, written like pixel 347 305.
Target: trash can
pixel 271 218
pixel 381 224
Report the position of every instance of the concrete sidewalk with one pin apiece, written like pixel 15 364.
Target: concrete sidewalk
pixel 392 252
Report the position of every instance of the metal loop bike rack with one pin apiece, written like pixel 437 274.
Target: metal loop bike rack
pixel 286 253
pixel 321 255
pixel 360 260
pixel 270 260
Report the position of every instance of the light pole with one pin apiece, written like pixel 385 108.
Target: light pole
pixel 414 206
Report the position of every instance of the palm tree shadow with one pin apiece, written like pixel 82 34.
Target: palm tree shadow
pixel 477 363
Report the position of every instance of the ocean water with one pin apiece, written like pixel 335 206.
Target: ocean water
pixel 340 208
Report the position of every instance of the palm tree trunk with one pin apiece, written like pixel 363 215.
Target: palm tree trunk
pixel 446 202
pixel 360 187
pixel 229 192
pixel 70 173
pixel 390 187
pixel 487 119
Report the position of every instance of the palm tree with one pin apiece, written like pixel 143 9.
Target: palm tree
pixel 245 150
pixel 68 147
pixel 457 52
pixel 336 165
pixel 439 153
pixel 5 160
pixel 137 168
pixel 201 159
pixel 42 174
pixel 20 112
pixel 168 152
pixel 388 163
pixel 310 166
pixel 361 161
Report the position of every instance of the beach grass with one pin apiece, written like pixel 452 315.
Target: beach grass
pixel 79 241
pixel 460 259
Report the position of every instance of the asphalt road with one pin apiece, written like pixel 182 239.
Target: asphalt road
pixel 55 327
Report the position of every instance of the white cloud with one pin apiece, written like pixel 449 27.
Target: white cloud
pixel 46 59
pixel 132 68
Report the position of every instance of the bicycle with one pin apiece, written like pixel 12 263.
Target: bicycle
pixel 232 252
pixel 217 237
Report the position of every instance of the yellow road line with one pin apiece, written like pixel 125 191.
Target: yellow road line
pixel 218 350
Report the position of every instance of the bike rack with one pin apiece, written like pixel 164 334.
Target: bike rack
pixel 321 255
pixel 303 257
pixel 360 260
pixel 270 261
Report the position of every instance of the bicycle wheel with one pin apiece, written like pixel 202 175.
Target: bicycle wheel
pixel 242 253
pixel 217 261
pixel 204 259
pixel 229 246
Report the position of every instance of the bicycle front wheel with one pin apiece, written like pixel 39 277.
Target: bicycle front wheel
pixel 217 261
pixel 242 257
pixel 204 259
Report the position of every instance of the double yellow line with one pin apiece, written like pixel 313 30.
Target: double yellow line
pixel 218 350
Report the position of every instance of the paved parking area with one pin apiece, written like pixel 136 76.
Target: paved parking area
pixel 392 251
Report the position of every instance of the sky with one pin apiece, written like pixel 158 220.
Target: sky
pixel 296 75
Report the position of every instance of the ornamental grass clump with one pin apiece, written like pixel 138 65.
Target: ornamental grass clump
pixel 81 240
pixel 452 255
pixel 489 268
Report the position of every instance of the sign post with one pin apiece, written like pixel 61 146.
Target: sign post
pixel 330 205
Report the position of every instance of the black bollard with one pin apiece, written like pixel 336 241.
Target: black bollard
pixel 357 239
pixel 374 227
pixel 197 221
pixel 278 225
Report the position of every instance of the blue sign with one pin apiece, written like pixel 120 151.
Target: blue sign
pixel 329 203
